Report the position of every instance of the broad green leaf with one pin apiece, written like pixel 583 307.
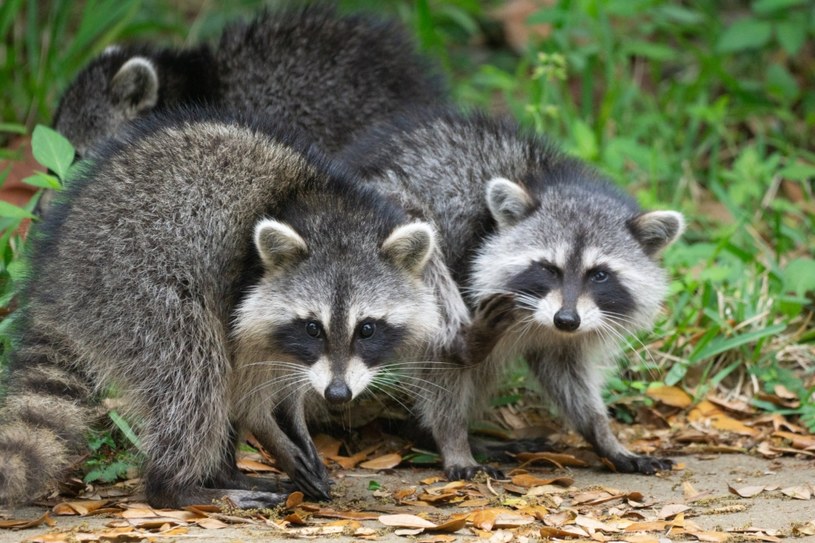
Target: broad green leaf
pixel 52 150
pixel 764 7
pixel 798 172
pixel 781 83
pixel 14 212
pixel 745 34
pixel 799 276
pixel 791 34
pixel 125 428
pixel 43 181
pixel 585 142
pixel 650 50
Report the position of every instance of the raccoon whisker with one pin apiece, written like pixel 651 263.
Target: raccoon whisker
pixel 296 390
pixel 399 382
pixel 413 390
pixel 275 363
pixel 421 364
pixel 647 359
pixel 417 379
pixel 377 386
pixel 285 380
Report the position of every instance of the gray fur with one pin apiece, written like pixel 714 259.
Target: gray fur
pixel 511 209
pixel 327 74
pixel 161 292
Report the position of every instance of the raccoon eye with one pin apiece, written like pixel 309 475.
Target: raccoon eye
pixel 313 329
pixel 367 330
pixel 600 276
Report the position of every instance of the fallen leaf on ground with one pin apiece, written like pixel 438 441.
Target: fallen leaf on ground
pixel 527 480
pixel 746 491
pixel 558 459
pixel 80 507
pixel 673 396
pixel 386 461
pixel 801 492
pixel 405 521
pixel 27 523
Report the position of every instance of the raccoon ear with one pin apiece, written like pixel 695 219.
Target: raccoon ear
pixel 134 88
pixel 508 202
pixel 278 244
pixel 409 246
pixel 655 230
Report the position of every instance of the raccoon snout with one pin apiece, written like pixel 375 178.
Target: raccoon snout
pixel 567 320
pixel 337 392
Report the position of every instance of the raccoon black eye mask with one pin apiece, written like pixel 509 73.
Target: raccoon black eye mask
pixel 519 220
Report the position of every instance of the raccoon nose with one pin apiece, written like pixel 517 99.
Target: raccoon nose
pixel 337 392
pixel 567 320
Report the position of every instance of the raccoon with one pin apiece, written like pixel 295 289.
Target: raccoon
pixel 328 75
pixel 516 217
pixel 233 278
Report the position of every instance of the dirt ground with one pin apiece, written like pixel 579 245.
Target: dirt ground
pixel 769 516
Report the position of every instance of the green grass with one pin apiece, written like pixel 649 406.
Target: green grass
pixel 705 107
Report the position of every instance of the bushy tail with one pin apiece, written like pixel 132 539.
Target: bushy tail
pixel 43 422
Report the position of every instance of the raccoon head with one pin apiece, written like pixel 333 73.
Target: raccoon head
pixel 115 88
pixel 581 257
pixel 329 316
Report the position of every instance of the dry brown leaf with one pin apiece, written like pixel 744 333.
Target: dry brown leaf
pixel 294 499
pixel 712 537
pixel 558 459
pixel 211 524
pixel 798 441
pixel 593 525
pixel 453 524
pixel 386 461
pixel 476 502
pixel 405 521
pixel 800 492
pixel 437 498
pixel 671 510
pixel 648 526
pixel 432 480
pixel 350 462
pixel 437 538
pixel 548 532
pixel 484 519
pixel 327 446
pixel 253 466
pixel 641 539
pixel 27 523
pixel 559 519
pixel 403 493
pixel 673 396
pixel 80 507
pixel 295 518
pixel 527 480
pixel 746 491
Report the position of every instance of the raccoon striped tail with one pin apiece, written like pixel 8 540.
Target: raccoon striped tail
pixel 43 424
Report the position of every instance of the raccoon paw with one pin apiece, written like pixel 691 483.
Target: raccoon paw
pixel 505 451
pixel 647 465
pixel 251 499
pixel 315 486
pixel 496 312
pixel 466 473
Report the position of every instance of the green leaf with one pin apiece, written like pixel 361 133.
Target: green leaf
pixel 765 7
pixel 585 142
pixel 125 428
pixel 43 181
pixel 650 50
pixel 781 83
pixel 13 128
pixel 799 276
pixel 720 345
pixel 744 34
pixel 798 172
pixel 14 212
pixel 791 34
pixel 52 150
pixel 374 485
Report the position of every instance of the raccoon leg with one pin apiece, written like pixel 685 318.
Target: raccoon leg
pixel 575 387
pixel 445 409
pixel 285 434
pixel 229 476
pixel 474 342
pixel 45 417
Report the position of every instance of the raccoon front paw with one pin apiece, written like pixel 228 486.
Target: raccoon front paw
pixel 466 473
pixel 252 499
pixel 647 465
pixel 316 486
pixel 496 312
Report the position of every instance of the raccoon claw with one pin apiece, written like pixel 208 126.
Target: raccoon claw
pixel 496 312
pixel 315 487
pixel 647 465
pixel 466 473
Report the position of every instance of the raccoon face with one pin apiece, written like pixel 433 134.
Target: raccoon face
pixel 112 90
pixel 331 321
pixel 581 260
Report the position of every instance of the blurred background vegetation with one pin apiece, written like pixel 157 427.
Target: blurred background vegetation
pixel 706 107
